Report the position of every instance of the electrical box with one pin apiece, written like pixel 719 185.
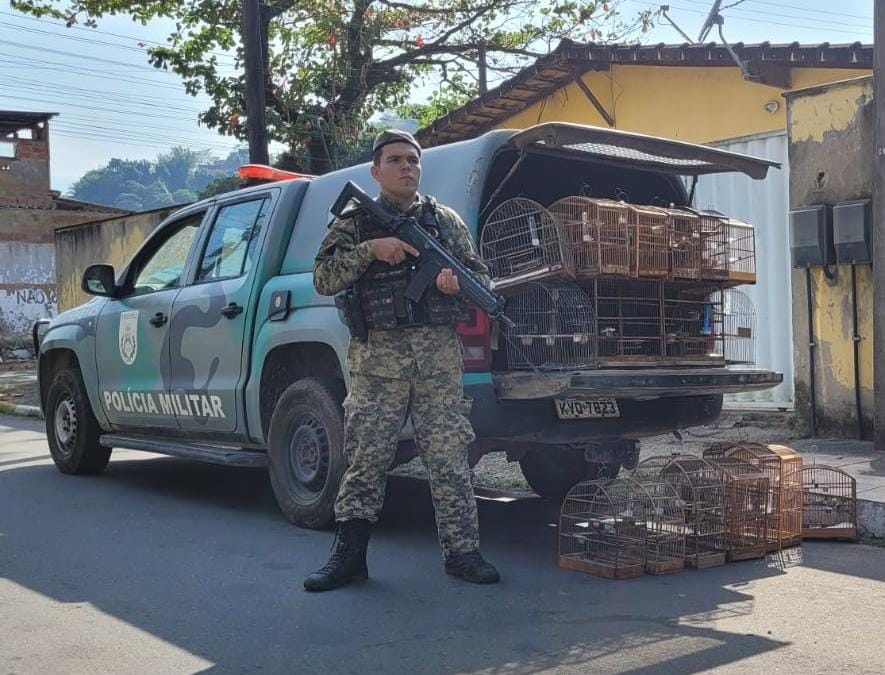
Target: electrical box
pixel 853 232
pixel 811 236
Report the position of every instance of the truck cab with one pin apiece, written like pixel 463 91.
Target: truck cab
pixel 213 344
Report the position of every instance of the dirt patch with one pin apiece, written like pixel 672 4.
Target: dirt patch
pixel 18 383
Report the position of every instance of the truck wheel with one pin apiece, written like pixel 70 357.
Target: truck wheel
pixel 306 450
pixel 71 427
pixel 552 472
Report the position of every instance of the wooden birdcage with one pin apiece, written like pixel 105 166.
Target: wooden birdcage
pixel 629 321
pixel 741 252
pixel 700 487
pixel 714 246
pixel 691 334
pixel 735 322
pixel 619 527
pixel 520 242
pixel 686 244
pixel 746 506
pixel 553 326
pixel 781 465
pixel 829 503
pixel 596 233
pixel 649 241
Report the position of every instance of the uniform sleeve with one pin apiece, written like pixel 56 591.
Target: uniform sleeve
pixel 340 260
pixel 463 246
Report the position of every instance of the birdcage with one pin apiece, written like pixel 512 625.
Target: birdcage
pixel 553 326
pixel 691 334
pixel 520 242
pixel 829 503
pixel 686 244
pixel 735 322
pixel 649 241
pixel 619 527
pixel 746 506
pixel 714 246
pixel 781 465
pixel 741 252
pixel 596 233
pixel 700 487
pixel 628 321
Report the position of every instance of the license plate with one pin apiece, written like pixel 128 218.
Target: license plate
pixel 582 409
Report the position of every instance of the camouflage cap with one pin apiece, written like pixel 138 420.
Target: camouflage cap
pixel 395 136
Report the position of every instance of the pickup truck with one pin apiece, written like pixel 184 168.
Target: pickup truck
pixel 212 344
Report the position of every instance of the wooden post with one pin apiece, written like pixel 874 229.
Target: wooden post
pixel 256 125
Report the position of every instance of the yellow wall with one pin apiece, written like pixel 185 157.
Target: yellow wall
pixel 692 104
pixel 831 161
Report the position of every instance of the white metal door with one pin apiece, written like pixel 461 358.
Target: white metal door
pixel 764 204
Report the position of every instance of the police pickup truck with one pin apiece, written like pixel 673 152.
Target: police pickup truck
pixel 212 343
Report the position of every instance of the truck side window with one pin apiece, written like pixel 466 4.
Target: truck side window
pixel 230 248
pixel 164 267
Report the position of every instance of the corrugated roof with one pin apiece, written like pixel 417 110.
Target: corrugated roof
pixel 769 63
pixel 14 120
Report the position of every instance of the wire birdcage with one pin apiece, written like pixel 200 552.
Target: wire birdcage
pixel 596 233
pixel 650 241
pixel 553 326
pixel 741 252
pixel 690 329
pixel 714 246
pixel 686 244
pixel 735 322
pixel 629 321
pixel 700 487
pixel 829 503
pixel 619 527
pixel 521 241
pixel 746 506
pixel 781 465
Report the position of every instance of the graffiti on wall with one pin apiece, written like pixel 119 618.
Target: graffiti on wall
pixel 28 290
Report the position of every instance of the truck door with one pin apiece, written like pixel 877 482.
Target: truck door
pixel 211 317
pixel 132 360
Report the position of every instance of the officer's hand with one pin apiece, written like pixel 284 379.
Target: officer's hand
pixel 447 282
pixel 391 250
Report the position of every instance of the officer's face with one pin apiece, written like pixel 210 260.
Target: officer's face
pixel 399 171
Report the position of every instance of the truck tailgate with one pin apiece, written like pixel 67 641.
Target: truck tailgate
pixel 633 384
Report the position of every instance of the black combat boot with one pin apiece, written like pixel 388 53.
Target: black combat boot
pixel 473 568
pixel 348 560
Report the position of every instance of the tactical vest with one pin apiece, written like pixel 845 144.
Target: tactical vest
pixel 381 290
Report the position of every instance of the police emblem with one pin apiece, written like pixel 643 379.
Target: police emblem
pixel 128 338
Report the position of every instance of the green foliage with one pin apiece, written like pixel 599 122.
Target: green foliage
pixel 331 64
pixel 176 177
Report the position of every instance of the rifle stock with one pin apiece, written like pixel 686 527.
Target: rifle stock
pixel 433 257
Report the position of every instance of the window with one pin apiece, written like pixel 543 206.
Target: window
pixel 231 246
pixel 164 267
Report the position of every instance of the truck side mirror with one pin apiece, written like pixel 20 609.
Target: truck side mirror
pixel 100 280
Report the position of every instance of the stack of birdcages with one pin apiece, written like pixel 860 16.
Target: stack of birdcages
pixel 598 281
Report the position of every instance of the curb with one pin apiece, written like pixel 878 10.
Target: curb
pixel 871 518
pixel 22 410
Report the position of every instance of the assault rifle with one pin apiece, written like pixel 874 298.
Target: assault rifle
pixel 433 257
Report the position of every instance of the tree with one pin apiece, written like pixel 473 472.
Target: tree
pixel 331 64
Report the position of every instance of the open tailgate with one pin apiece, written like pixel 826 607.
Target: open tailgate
pixel 637 150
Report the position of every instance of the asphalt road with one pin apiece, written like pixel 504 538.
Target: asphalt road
pixel 166 566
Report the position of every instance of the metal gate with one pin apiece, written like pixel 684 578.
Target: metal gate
pixel 765 204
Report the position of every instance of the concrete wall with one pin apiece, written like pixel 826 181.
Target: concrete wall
pixel 831 141
pixel 110 241
pixel 691 104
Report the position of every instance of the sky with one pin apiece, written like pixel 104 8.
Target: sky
pixel 112 103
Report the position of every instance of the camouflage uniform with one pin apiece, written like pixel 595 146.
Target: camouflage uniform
pixel 414 369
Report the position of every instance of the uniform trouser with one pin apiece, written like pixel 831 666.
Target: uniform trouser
pixel 375 411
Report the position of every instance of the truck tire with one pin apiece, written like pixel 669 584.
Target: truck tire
pixel 71 427
pixel 552 472
pixel 306 450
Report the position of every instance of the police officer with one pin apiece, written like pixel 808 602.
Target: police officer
pixel 410 362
